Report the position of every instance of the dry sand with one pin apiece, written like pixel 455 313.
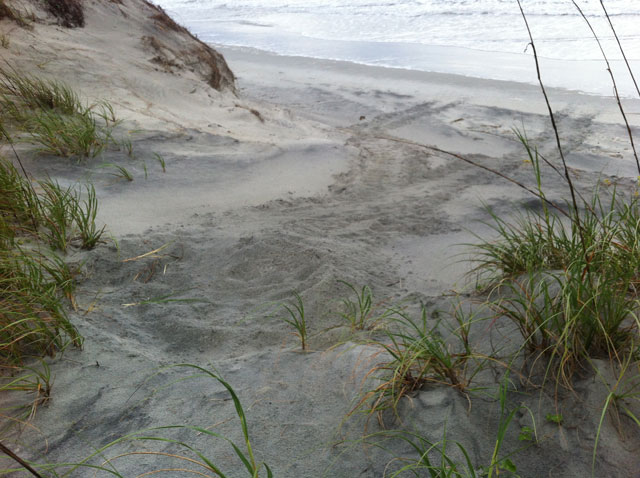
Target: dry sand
pixel 255 206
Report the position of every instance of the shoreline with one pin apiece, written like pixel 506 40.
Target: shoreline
pixel 527 91
pixel 588 77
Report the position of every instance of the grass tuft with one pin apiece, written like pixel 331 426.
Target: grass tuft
pixel 416 354
pixel 569 282
pixel 362 314
pixel 33 321
pixel 435 460
pixel 49 114
pixel 296 318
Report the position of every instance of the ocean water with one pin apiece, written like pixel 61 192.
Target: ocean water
pixel 480 38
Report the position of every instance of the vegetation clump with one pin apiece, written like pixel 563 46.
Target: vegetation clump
pixel 416 353
pixel 38 222
pixel 33 280
pixel 50 114
pixel 568 278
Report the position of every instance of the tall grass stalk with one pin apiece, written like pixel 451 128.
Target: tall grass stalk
pixel 624 56
pixel 613 79
pixel 556 133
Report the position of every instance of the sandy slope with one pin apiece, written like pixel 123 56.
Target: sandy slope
pixel 252 210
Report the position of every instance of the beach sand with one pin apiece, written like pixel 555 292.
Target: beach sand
pixel 306 190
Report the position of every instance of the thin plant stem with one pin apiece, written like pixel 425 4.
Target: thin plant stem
pixel 481 166
pixel 615 85
pixel 23 463
pixel 557 136
pixel 26 176
pixel 615 34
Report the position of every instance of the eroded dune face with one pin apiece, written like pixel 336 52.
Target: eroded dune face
pixel 110 28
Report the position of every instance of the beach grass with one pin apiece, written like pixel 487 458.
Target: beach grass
pixel 363 313
pixel 568 280
pixel 66 135
pixel 295 317
pixel 84 217
pixel 435 459
pixel 36 93
pixel 34 321
pixel 119 171
pixel 35 280
pixel 413 354
pixel 161 162
pixel 566 275
pixel 50 115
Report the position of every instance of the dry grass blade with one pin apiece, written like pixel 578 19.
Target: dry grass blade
pixel 148 254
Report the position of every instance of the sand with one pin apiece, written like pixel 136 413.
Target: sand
pixel 305 193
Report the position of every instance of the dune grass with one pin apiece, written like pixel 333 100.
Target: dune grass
pixel 417 452
pixel 35 280
pixel 569 281
pixel 295 317
pixel 567 276
pixel 36 93
pixel 50 115
pixel 363 313
pixel 33 319
pixel 412 354
pixel 84 217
